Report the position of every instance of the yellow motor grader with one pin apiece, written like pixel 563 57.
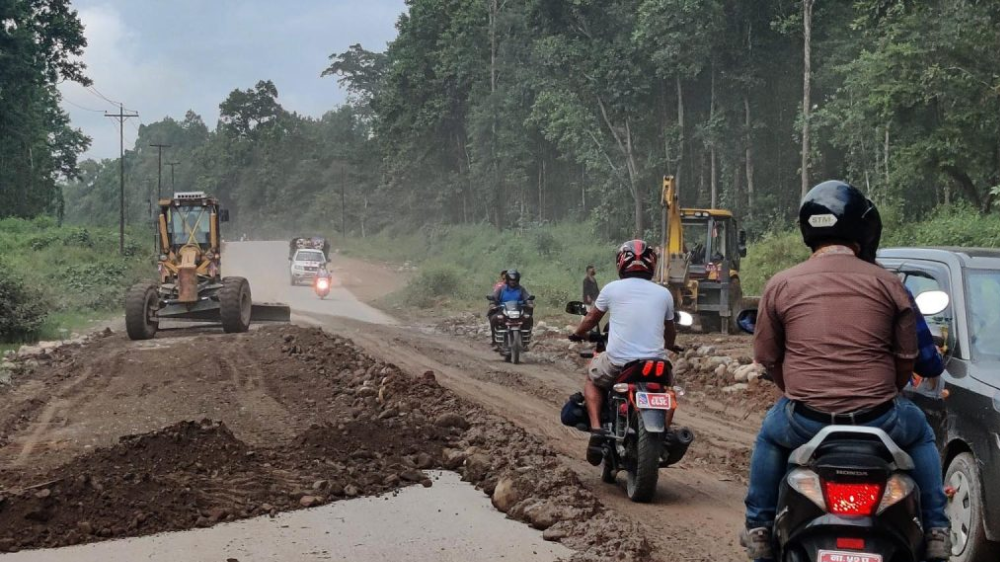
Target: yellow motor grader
pixel 700 261
pixel 191 286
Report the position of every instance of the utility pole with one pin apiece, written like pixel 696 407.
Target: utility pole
pixel 159 167
pixel 121 116
pixel 172 164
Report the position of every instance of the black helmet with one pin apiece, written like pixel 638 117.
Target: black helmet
pixel 835 211
pixel 513 275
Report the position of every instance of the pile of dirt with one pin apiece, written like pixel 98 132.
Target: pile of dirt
pixel 367 429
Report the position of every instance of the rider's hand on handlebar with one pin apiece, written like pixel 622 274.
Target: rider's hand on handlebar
pixel 576 338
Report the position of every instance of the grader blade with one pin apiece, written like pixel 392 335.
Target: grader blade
pixel 270 312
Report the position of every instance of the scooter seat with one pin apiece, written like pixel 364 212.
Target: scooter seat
pixel 857 451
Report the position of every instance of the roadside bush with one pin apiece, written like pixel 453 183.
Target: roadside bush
pixel 771 254
pixel 22 310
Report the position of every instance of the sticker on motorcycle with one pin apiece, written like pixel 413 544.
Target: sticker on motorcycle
pixel 839 556
pixel 650 401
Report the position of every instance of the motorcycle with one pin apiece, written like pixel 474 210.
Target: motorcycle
pixel 512 331
pixel 847 497
pixel 322 287
pixel 637 418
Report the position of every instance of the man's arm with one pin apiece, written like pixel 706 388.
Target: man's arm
pixel 904 345
pixel 669 335
pixel 769 336
pixel 591 320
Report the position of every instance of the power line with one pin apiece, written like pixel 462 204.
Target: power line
pixel 71 102
pixel 93 89
pixel 121 116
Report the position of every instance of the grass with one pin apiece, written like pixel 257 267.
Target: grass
pixel 74 274
pixel 458 265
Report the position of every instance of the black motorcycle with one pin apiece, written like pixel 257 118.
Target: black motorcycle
pixel 511 324
pixel 637 415
pixel 847 497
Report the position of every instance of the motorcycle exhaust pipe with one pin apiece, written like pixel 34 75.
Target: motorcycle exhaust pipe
pixel 675 443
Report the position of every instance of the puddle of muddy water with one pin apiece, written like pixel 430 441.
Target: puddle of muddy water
pixel 451 521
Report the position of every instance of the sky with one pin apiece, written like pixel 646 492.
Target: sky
pixel 163 57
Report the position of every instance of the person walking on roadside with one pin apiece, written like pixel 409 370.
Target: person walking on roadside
pixel 590 287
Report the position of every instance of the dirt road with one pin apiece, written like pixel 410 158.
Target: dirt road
pixel 62 421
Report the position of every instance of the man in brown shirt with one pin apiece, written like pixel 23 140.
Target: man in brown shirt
pixel 838 336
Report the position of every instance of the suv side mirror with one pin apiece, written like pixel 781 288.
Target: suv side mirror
pixel 931 303
pixel 742 242
pixel 223 215
pixel 747 320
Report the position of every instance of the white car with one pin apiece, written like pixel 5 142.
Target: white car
pixel 305 265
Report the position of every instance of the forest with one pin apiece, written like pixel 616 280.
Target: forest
pixel 516 113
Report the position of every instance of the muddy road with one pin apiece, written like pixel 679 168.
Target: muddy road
pixel 698 506
pixel 232 427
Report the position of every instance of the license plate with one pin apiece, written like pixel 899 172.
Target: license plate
pixel 650 401
pixel 840 556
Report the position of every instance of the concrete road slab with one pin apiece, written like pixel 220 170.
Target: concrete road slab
pixel 450 521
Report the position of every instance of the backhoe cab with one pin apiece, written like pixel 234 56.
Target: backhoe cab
pixel 702 250
pixel 191 286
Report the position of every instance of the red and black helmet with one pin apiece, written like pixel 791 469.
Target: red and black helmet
pixel 636 258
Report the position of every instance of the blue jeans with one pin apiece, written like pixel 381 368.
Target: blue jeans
pixel 784 431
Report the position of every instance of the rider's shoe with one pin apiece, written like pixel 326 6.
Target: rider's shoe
pixel 938 541
pixel 757 543
pixel 595 447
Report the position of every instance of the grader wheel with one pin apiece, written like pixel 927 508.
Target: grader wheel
pixel 141 304
pixel 235 305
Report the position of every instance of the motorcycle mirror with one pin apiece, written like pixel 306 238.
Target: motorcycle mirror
pixel 932 302
pixel 531 298
pixel 747 320
pixel 577 308
pixel 683 318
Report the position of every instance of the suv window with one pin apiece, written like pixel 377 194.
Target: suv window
pixel 918 282
pixel 984 313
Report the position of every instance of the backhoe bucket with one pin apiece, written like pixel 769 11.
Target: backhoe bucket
pixel 270 312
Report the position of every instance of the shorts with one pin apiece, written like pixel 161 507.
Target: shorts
pixel 603 372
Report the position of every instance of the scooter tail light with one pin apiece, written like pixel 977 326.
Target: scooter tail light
pixel 855 498
pixel 806 482
pixel 897 488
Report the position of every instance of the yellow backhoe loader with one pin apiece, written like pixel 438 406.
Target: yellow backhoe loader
pixel 191 286
pixel 701 261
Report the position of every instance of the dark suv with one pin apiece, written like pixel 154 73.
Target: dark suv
pixel 967 420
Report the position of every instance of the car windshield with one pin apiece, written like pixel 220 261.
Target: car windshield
pixel 984 313
pixel 309 256
pixel 189 224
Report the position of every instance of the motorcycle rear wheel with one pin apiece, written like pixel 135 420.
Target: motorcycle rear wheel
pixel 640 485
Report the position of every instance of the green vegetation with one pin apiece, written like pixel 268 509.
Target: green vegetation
pixel 519 114
pixel 40 45
pixel 54 278
pixel 458 265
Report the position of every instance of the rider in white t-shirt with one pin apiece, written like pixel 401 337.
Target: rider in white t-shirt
pixel 642 327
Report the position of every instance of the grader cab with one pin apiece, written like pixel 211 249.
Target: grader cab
pixel 191 286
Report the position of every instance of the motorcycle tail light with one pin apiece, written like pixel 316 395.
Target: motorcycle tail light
pixel 856 498
pixel 897 488
pixel 853 544
pixel 620 388
pixel 806 482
